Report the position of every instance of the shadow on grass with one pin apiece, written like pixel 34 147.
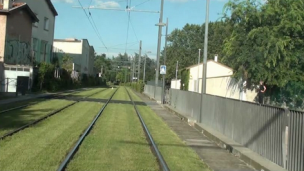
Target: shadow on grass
pixel 18 118
pixel 201 146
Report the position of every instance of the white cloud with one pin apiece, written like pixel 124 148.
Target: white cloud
pixel 106 4
pixel 65 1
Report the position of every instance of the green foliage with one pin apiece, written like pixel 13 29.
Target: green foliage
pixel 67 63
pixel 185 76
pixel 137 86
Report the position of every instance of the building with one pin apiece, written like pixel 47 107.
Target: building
pixel 16 21
pixel 43 31
pixel 81 52
pixel 219 81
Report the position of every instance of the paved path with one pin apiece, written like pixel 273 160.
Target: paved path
pixel 215 157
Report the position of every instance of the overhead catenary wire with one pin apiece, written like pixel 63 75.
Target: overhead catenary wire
pixel 95 29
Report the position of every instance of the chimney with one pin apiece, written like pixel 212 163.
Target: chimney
pixel 7 4
pixel 215 58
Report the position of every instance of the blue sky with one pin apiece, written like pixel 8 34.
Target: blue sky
pixel 112 25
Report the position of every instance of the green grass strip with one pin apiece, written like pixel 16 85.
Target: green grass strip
pixel 87 92
pixel 176 153
pixel 106 94
pixel 44 146
pixel 134 96
pixel 116 143
pixel 20 117
pixel 121 94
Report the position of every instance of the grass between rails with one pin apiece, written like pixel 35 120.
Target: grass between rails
pixel 106 94
pixel 20 117
pixel 121 94
pixel 87 92
pixel 176 153
pixel 44 146
pixel 134 96
pixel 117 142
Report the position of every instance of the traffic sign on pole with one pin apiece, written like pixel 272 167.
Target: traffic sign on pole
pixel 163 69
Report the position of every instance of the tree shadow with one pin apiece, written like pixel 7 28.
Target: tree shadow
pixel 15 119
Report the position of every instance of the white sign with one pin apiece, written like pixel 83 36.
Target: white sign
pixel 163 69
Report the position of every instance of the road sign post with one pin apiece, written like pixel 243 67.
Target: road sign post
pixel 163 70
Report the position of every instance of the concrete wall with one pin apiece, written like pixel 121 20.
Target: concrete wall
pixel 219 82
pixel 18 39
pixel 9 84
pixel 39 34
pixel 175 84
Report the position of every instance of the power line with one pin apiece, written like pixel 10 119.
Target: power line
pixel 133 29
pixel 95 28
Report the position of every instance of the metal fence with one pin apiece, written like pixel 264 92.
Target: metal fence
pixel 296 141
pixel 149 90
pixel 261 128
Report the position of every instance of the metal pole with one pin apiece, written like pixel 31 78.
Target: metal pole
pixel 205 58
pixel 138 76
pixel 159 44
pixel 198 66
pixel 133 67
pixel 144 69
pixel 176 74
pixel 165 55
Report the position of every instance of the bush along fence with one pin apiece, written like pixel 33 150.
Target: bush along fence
pixel 137 86
pixel 276 134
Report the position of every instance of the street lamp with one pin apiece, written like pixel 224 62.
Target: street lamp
pixel 205 58
pixel 198 65
pixel 160 25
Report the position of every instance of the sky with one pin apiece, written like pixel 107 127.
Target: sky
pixel 112 31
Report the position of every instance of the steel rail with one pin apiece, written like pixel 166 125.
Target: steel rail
pixel 52 96
pixel 66 161
pixel 41 119
pixel 160 158
pixel 35 122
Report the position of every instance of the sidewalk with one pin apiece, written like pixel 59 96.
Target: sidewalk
pixel 215 157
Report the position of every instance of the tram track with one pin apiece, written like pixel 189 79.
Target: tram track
pixel 43 117
pixel 162 163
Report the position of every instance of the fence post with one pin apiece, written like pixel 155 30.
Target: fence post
pixel 285 138
pixel 7 79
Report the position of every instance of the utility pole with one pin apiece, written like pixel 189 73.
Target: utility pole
pixel 165 56
pixel 198 66
pixel 205 58
pixel 133 68
pixel 144 76
pixel 176 74
pixel 160 25
pixel 138 75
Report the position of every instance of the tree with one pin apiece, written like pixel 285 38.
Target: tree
pixel 67 63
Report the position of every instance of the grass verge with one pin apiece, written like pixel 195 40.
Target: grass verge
pixel 117 142
pixel 133 95
pixel 106 94
pixel 87 92
pixel 121 94
pixel 176 153
pixel 44 146
pixel 17 118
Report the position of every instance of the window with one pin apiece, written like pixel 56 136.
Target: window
pixel 36 23
pixel 46 23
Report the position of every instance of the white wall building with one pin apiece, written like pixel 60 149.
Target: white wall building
pixel 219 81
pixel 81 52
